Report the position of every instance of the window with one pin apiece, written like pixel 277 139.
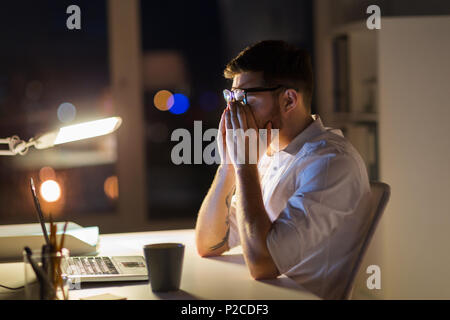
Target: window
pixel 52 77
pixel 129 59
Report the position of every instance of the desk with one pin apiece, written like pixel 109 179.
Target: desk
pixel 222 278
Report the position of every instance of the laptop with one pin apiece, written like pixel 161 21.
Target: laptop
pixel 97 268
pixel 105 268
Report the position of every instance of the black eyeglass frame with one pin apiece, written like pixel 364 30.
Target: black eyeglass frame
pixel 249 90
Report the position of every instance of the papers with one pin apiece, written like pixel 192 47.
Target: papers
pixel 79 240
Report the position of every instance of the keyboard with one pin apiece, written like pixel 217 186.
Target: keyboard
pixel 90 266
pixel 105 268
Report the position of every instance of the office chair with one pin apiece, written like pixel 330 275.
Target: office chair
pixel 379 199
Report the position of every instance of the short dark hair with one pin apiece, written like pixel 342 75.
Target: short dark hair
pixel 280 62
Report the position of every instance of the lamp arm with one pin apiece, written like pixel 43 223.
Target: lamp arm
pixel 16 146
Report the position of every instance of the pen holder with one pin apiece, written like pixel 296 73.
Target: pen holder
pixel 44 275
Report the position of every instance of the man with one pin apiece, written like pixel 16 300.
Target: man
pixel 299 210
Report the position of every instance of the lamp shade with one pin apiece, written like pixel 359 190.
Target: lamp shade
pixel 77 132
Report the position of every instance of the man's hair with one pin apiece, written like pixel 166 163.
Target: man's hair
pixel 280 62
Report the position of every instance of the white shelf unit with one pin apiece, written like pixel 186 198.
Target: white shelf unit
pixel 354 97
pixel 412 119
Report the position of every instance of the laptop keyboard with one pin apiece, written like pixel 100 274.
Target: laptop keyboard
pixel 90 266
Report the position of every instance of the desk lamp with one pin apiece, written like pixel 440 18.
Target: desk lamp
pixel 70 133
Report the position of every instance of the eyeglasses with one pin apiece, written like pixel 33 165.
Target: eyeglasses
pixel 240 95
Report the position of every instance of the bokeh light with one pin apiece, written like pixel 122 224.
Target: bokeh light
pixel 111 187
pixel 180 104
pixel 163 100
pixel 66 112
pixel 47 173
pixel 50 190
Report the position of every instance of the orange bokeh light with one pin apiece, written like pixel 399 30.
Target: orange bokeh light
pixel 163 100
pixel 111 187
pixel 47 173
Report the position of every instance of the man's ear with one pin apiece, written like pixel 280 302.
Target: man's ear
pixel 290 99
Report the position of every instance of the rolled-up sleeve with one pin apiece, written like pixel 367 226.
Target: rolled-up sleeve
pixel 326 190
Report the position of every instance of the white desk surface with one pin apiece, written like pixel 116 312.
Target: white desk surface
pixel 222 278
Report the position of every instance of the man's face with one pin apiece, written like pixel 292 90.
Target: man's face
pixel 264 105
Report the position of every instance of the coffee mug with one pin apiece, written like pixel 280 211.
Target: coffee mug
pixel 164 265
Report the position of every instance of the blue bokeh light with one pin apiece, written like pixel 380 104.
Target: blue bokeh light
pixel 180 104
pixel 66 112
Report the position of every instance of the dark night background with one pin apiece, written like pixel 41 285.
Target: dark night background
pixel 73 66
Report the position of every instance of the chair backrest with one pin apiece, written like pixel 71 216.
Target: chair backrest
pixel 380 193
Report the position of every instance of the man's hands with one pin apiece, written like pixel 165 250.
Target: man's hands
pixel 245 142
pixel 225 161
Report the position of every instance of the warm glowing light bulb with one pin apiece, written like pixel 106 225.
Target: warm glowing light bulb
pixel 50 190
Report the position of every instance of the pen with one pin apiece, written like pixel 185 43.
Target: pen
pixel 61 245
pixel 44 254
pixel 39 211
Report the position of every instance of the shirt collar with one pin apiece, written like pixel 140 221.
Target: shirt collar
pixel 314 129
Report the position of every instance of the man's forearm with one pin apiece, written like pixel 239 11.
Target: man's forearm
pixel 254 223
pixel 212 228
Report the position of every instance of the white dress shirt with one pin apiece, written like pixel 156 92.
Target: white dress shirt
pixel 315 192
